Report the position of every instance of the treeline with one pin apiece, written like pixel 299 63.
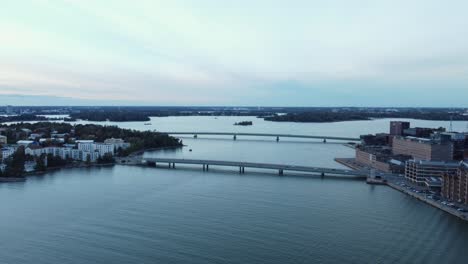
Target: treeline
pixel 139 140
pixel 331 116
pixel 116 116
pixel 137 114
pixel 20 118
pixel 317 117
pixel 99 133
pixel 15 164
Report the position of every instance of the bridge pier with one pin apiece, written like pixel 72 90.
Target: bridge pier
pixel 234 137
pixel 277 139
pixel 280 172
pixel 207 167
pixel 324 140
pixel 195 136
pixel 241 170
pixel 323 174
pixel 204 167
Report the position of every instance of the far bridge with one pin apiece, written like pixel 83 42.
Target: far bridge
pixel 280 168
pixel 234 135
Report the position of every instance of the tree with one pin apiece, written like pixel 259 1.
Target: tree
pixel 55 161
pixel 106 158
pixel 40 163
pixel 88 159
pixel 15 164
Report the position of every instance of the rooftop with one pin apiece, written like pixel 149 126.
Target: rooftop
pixel 436 163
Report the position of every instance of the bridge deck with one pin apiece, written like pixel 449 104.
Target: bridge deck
pixel 279 167
pixel 262 135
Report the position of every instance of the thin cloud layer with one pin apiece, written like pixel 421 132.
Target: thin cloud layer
pixel 243 52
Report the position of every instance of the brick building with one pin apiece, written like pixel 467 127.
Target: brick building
pixel 455 186
pixel 380 159
pixel 423 149
pixel 397 128
pixel 429 173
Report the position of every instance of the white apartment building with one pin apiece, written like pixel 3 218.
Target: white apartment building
pixel 117 142
pixel 86 145
pixel 93 156
pixel 24 143
pixel 7 152
pixel 104 148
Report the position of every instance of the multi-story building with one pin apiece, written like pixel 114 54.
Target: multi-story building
pixel 86 145
pixel 422 132
pixel 397 127
pixel 7 152
pixel 380 158
pixel 65 153
pixel 422 148
pixel 455 186
pixel 92 155
pixel 24 143
pixel 429 173
pixel 104 148
pixel 76 154
pixel 3 140
pixel 34 151
pixel 2 167
pixel 117 142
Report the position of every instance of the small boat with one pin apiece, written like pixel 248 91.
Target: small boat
pixel 190 150
pixel 147 124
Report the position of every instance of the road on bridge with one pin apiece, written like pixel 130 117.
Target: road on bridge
pixel 277 136
pixel 242 165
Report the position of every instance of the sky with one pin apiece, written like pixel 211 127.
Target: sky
pixel 242 52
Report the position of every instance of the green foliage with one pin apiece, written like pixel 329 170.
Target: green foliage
pixel 88 159
pixel 40 164
pixel 117 116
pixel 139 140
pixel 326 115
pixel 55 161
pixel 24 117
pixel 107 158
pixel 15 164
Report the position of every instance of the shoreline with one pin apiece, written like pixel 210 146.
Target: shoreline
pixel 420 197
pixel 81 165
pixel 350 163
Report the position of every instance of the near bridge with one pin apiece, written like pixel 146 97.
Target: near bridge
pixel 280 168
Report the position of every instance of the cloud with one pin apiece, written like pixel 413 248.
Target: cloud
pixel 218 52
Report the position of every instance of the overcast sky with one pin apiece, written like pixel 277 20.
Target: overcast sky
pixel 242 52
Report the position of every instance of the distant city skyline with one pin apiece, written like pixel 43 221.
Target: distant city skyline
pixel 250 53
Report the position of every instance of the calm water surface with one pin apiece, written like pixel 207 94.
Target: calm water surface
pixel 144 215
